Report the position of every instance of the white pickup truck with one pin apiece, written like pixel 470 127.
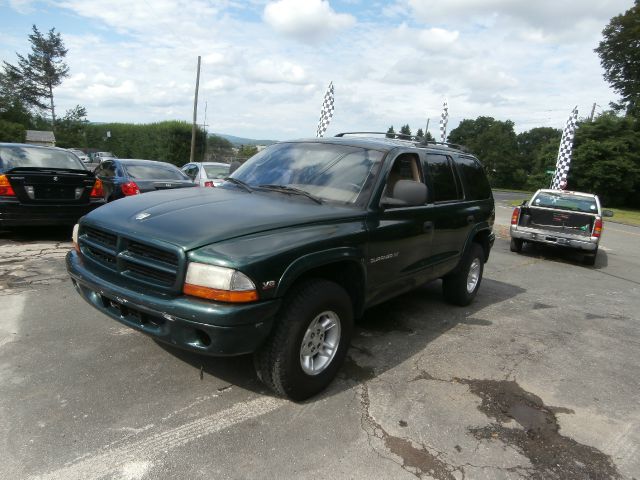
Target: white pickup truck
pixel 557 217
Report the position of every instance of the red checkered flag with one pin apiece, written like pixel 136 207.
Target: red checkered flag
pixel 327 111
pixel 563 163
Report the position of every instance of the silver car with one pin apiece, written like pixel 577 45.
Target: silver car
pixel 206 174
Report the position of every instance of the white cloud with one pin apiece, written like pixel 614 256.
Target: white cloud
pixel 272 71
pixel 309 20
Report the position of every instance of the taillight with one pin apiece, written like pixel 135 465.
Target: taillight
pixel 597 227
pixel 208 184
pixel 515 215
pixel 6 190
pixel 130 188
pixel 97 191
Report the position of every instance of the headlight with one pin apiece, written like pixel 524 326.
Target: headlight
pixel 218 283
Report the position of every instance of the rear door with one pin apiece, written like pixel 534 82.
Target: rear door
pixel 452 216
pixel 41 176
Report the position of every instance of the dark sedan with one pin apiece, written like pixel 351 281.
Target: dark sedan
pixel 126 177
pixel 44 186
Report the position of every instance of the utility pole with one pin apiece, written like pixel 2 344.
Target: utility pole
pixel 426 130
pixel 195 115
pixel 593 112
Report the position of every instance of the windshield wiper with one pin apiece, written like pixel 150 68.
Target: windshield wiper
pixel 289 189
pixel 239 183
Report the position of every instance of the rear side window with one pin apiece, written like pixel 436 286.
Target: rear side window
pixel 476 183
pixel 443 179
pixel 153 172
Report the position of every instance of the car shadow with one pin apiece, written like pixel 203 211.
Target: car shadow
pixel 37 234
pixel 403 326
pixel 562 255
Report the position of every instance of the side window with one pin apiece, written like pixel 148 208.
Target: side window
pixel 443 178
pixel 476 183
pixel 405 167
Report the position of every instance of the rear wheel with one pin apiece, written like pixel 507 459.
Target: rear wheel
pixel 460 288
pixel 516 245
pixel 590 258
pixel 309 341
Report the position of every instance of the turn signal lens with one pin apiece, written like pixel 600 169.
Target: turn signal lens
pixel 515 215
pixel 208 183
pixel 97 190
pixel 130 188
pixel 74 237
pixel 6 190
pixel 219 283
pixel 597 228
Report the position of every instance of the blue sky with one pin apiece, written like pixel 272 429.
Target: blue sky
pixel 266 64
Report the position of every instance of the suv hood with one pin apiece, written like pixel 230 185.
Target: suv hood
pixel 194 217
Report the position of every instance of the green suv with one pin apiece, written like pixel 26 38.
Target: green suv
pixel 281 258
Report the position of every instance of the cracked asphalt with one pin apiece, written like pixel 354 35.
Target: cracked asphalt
pixel 538 379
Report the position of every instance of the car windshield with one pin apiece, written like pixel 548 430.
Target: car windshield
pixel 24 156
pixel 216 171
pixel 154 172
pixel 564 201
pixel 336 173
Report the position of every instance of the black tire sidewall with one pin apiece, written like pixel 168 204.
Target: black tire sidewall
pixel 455 286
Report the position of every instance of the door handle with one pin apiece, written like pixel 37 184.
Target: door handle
pixel 471 219
pixel 427 227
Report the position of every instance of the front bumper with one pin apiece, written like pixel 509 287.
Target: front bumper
pixel 16 214
pixel 202 326
pixel 589 244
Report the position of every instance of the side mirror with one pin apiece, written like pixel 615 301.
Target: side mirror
pixel 607 213
pixel 524 203
pixel 407 193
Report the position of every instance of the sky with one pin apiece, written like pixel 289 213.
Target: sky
pixel 267 64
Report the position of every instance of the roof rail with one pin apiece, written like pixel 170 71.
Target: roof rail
pixel 417 141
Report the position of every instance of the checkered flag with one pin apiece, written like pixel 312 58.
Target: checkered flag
pixel 559 181
pixel 327 111
pixel 444 119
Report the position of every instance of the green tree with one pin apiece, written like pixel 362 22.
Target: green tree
pixel 538 151
pixel 405 130
pixel 246 151
pixel 11 132
pixel 495 143
pixel 606 159
pixel 619 53
pixel 36 75
pixel 71 129
pixel 419 133
pixel 391 133
pixel 218 148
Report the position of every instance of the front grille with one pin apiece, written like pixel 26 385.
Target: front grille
pixel 153 253
pixel 147 264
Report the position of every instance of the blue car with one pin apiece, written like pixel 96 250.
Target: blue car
pixel 125 177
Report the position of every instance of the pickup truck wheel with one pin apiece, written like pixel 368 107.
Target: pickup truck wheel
pixel 309 341
pixel 460 288
pixel 516 245
pixel 590 258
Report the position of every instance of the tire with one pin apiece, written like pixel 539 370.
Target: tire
pixel 279 362
pixel 516 245
pixel 455 286
pixel 590 258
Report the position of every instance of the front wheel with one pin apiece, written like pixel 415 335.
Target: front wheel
pixel 309 341
pixel 460 288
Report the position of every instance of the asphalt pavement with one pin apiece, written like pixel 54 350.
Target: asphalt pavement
pixel 537 379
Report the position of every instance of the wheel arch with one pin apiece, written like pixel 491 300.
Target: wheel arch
pixel 344 266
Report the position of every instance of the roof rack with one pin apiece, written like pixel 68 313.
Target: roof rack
pixel 417 141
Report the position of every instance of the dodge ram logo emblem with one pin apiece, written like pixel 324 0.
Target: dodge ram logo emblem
pixel 142 216
pixel 55 179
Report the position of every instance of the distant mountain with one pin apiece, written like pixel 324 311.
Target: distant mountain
pixel 237 141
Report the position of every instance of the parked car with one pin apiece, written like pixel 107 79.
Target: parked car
pixel 126 177
pixel 571 220
pixel 101 156
pixel 280 259
pixel 44 186
pixel 207 174
pixel 80 154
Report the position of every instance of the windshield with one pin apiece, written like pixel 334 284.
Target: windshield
pixel 330 172
pixel 14 157
pixel 216 171
pixel 154 172
pixel 564 201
